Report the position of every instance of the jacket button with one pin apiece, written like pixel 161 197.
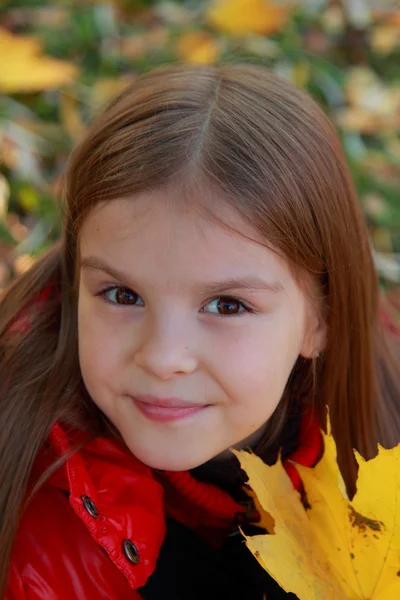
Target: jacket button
pixel 90 507
pixel 131 552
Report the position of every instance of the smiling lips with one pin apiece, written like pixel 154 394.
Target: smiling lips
pixel 165 410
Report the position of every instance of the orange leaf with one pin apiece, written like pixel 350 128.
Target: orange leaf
pixel 239 17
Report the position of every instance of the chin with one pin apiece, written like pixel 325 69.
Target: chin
pixel 165 462
pixel 178 464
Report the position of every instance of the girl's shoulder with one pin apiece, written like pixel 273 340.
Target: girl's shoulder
pixel 101 504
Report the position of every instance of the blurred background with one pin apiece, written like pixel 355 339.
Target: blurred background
pixel 60 62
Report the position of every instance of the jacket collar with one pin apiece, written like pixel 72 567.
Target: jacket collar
pixel 115 496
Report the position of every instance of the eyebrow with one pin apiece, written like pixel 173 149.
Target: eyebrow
pixel 247 282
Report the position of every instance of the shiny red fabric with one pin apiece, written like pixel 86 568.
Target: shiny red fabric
pixel 63 551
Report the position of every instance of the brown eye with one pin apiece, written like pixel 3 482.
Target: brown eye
pixel 125 296
pixel 122 295
pixel 229 306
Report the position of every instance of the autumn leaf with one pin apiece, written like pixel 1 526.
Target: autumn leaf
pixel 23 67
pixel 337 549
pixel 197 47
pixel 240 17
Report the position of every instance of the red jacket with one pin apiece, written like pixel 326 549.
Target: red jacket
pixel 95 528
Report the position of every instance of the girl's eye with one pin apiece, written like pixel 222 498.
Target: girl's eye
pixel 226 305
pixel 122 295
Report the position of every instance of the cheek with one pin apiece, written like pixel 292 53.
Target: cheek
pixel 256 362
pixel 101 350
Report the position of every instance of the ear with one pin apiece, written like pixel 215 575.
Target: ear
pixel 315 336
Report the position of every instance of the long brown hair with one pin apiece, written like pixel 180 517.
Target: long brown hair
pixel 276 158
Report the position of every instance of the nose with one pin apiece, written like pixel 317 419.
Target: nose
pixel 164 350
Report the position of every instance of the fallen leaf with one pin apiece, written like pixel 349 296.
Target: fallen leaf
pixel 239 17
pixel 23 67
pixel 197 47
pixel 337 549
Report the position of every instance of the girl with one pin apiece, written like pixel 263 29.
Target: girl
pixel 213 288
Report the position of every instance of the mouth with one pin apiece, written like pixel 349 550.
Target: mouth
pixel 165 410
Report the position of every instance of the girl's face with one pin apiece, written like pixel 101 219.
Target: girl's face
pixel 187 331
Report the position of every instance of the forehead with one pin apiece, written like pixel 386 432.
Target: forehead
pixel 153 234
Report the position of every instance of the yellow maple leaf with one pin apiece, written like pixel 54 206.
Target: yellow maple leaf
pixel 23 67
pixel 338 549
pixel 239 17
